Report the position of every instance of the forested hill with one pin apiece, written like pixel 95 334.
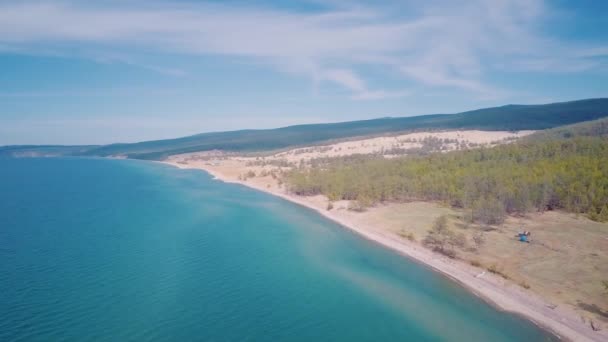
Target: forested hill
pixel 510 117
pixel 564 168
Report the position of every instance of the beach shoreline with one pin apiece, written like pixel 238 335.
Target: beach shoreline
pixel 560 321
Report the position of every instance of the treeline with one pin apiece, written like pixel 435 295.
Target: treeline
pixel 534 174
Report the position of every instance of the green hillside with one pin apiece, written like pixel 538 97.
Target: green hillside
pixel 564 168
pixel 510 117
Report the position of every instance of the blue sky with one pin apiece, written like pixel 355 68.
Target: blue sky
pixel 80 72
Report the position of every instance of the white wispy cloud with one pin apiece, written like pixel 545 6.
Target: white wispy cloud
pixel 441 44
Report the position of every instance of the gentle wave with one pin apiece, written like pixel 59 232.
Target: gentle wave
pixel 113 250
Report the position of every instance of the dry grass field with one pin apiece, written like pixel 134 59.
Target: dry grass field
pixel 565 262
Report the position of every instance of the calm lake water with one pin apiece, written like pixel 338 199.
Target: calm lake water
pixel 115 250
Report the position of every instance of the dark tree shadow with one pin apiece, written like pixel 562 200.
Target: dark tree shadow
pixel 486 228
pixel 460 225
pixel 593 308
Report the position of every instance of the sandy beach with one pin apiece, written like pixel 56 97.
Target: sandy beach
pixel 562 321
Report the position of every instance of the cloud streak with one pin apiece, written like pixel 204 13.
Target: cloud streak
pixel 448 45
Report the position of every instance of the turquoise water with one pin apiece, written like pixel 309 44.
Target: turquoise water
pixel 112 250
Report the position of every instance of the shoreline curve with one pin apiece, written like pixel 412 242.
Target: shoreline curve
pixel 564 324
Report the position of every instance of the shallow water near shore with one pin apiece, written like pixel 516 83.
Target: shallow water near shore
pixel 109 250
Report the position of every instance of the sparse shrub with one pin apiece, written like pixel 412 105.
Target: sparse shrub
pixel 250 174
pixel 441 239
pixel 475 263
pixel 441 223
pixel 478 240
pixel 489 211
pixel 410 236
pixel 330 206
pixel 365 201
pixel 594 326
pixel 356 206
pixel 524 285
pixel 602 216
pixel 449 252
pixel 494 269
pixel 459 240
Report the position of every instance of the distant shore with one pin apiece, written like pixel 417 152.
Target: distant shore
pixel 564 323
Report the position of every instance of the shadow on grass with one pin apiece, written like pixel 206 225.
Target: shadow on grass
pixel 593 308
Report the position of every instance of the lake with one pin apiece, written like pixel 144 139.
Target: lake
pixel 117 250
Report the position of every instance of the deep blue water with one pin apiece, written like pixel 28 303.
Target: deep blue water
pixel 114 250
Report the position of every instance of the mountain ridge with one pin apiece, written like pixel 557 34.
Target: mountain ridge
pixel 510 117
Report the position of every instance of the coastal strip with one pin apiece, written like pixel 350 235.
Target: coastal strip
pixel 564 323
